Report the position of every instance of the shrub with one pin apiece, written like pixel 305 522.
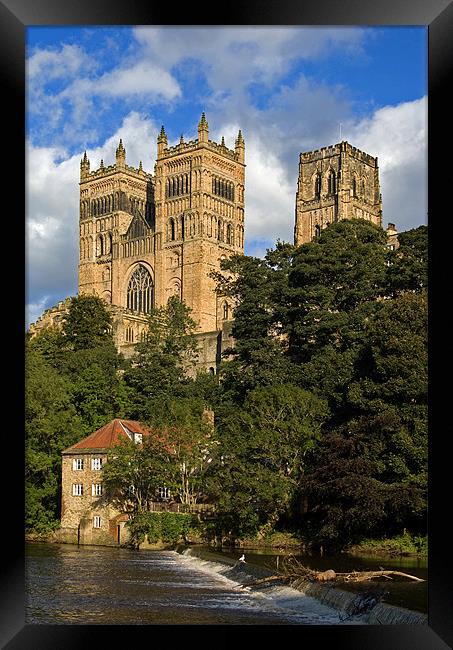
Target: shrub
pixel 168 527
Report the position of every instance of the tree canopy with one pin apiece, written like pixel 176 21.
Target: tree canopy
pixel 320 405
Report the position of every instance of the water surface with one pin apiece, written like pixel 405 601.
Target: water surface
pixel 70 584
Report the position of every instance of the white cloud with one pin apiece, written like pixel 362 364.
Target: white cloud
pixel 269 199
pixel 45 64
pixel 144 77
pixel 397 135
pixel 232 57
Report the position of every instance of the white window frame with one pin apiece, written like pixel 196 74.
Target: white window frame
pixel 77 464
pixel 96 489
pixel 77 489
pixel 138 438
pixel 163 492
pixel 96 463
pixel 96 521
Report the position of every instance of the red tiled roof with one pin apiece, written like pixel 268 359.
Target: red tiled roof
pixel 110 435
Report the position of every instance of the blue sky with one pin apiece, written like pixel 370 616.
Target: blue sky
pixel 287 88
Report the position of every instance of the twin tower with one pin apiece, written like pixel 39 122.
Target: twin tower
pixel 144 237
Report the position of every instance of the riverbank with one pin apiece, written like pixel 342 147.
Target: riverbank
pixel 405 545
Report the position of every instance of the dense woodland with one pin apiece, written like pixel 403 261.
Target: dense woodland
pixel 320 408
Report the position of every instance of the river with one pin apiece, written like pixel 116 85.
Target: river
pixel 69 584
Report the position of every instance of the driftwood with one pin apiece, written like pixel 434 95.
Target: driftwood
pixel 360 576
pixel 293 570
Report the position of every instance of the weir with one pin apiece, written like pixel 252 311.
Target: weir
pixel 381 613
pixel 343 602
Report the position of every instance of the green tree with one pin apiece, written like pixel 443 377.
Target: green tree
pixel 262 453
pixel 51 425
pixel 408 264
pixel 335 282
pixel 98 390
pixel 134 472
pixel 176 455
pixel 369 475
pixel 190 436
pixel 257 287
pixel 395 384
pixel 87 323
pixel 84 353
pixel 161 363
pixel 347 492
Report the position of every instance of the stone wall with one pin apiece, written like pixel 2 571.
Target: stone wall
pixel 78 512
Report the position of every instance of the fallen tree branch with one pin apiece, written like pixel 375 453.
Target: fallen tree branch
pixel 293 570
pixel 358 576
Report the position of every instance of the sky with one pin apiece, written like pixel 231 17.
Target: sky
pixel 289 90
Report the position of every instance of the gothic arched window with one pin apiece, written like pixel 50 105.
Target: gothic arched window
pixel 317 186
pixel 99 246
pixel 172 230
pixel 317 230
pixel 140 291
pixel 331 182
pixel 225 311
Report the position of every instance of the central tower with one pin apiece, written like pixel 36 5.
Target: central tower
pixel 335 183
pixel 199 213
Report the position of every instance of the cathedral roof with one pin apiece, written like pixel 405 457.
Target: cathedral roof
pixel 110 435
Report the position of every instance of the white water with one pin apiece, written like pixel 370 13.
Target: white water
pixel 286 602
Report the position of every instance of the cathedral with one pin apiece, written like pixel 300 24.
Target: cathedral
pixel 145 237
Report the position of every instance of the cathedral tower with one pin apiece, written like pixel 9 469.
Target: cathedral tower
pixel 199 198
pixel 116 230
pixel 336 182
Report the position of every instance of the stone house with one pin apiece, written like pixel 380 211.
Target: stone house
pixel 87 516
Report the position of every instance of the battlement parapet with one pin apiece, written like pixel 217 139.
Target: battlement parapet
pixel 113 169
pixel 335 150
pixel 184 147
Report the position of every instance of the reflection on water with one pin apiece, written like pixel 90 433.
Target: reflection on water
pixel 98 585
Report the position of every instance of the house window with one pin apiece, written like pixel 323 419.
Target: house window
pixel 96 463
pixel 77 489
pixel 96 489
pixel 163 492
pixel 225 311
pixel 77 463
pixel 138 438
pixel 96 522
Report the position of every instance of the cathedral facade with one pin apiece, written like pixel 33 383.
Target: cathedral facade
pixel 145 237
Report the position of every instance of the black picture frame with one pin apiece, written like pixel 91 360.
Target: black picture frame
pixel 437 16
